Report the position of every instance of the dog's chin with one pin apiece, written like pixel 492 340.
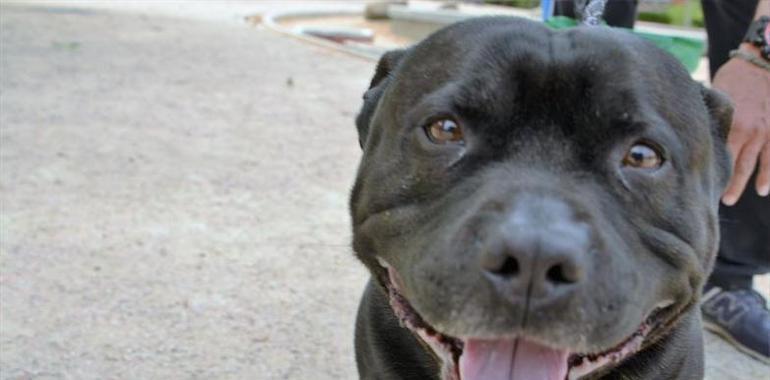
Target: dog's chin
pixel 520 357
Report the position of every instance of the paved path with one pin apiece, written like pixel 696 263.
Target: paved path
pixel 173 200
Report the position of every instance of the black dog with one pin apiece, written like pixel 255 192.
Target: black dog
pixel 535 204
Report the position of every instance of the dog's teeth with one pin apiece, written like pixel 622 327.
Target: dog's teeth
pixel 383 263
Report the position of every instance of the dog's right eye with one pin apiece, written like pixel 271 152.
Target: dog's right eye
pixel 642 156
pixel 445 131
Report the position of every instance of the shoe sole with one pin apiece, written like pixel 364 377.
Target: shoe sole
pixel 724 334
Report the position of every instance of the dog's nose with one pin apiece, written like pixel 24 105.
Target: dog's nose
pixel 540 249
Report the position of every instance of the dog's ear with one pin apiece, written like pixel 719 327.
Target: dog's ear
pixel 388 62
pixel 721 110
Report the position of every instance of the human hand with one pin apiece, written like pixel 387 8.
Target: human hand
pixel 749 139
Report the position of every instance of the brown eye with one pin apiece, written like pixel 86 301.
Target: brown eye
pixel 642 156
pixel 445 131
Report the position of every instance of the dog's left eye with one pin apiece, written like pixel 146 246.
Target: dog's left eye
pixel 642 156
pixel 445 131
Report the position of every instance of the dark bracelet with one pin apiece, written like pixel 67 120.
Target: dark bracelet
pixel 748 57
pixel 759 36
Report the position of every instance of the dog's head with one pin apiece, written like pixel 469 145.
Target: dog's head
pixel 540 198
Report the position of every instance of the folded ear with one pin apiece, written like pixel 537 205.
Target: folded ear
pixel 721 110
pixel 387 64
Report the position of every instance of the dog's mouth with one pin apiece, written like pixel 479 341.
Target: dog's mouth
pixel 514 358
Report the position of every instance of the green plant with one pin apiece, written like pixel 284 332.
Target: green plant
pixel 676 14
pixel 515 3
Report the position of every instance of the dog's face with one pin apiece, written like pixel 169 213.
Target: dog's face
pixel 538 203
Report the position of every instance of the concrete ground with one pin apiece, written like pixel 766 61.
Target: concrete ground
pixel 173 196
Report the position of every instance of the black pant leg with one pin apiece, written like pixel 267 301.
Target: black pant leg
pixel 621 13
pixel 744 250
pixel 726 23
pixel 745 227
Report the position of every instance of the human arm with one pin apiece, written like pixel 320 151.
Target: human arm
pixel 749 139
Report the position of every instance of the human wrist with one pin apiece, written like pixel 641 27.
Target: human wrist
pixel 753 59
pixel 758 36
pixel 750 48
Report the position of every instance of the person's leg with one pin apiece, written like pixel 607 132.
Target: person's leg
pixel 744 250
pixel 619 13
pixel 726 24
pixel 730 307
pixel 745 245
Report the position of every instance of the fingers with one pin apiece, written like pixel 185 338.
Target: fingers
pixel 763 178
pixel 744 167
pixel 737 139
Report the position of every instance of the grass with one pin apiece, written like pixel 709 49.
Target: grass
pixel 675 14
pixel 515 3
pixel 672 14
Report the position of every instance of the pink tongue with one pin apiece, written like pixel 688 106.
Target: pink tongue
pixel 511 359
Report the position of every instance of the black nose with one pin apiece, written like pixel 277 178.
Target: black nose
pixel 539 250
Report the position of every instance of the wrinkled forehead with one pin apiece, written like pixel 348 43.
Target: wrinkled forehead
pixel 501 66
pixel 532 72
